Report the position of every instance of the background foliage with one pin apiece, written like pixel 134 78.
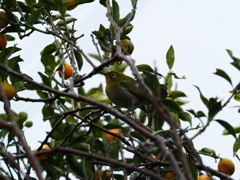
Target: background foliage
pixel 80 118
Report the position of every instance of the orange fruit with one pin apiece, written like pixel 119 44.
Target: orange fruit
pixel 110 137
pixel 8 90
pixel 203 177
pixel 102 173
pixel 226 166
pixel 169 175
pixel 3 41
pixel 44 156
pixel 68 71
pixel 3 19
pixel 71 5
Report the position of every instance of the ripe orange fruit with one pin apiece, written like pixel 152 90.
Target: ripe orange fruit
pixel 3 19
pixel 3 41
pixel 8 90
pixel 102 173
pixel 169 175
pixel 68 71
pixel 110 137
pixel 71 5
pixel 203 177
pixel 44 156
pixel 226 166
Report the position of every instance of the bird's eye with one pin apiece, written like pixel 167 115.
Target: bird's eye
pixel 113 75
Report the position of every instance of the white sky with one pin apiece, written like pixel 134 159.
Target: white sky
pixel 199 31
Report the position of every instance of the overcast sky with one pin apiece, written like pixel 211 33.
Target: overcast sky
pixel 200 32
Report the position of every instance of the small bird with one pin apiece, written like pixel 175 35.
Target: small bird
pixel 123 90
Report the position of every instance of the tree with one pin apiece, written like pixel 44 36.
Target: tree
pixel 81 119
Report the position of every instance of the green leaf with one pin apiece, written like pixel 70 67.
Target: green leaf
pixel 145 68
pixel 95 56
pixel 237 97
pixel 103 2
pixel 236 61
pixel 75 165
pixel 208 152
pixel 228 127
pixel 47 112
pixel 46 81
pixel 117 67
pixel 176 94
pixel 236 130
pixel 175 76
pixel 78 2
pixel 193 168
pixel 49 60
pixel 198 114
pixel 236 145
pixel 115 11
pixel 122 21
pixel 9 37
pixel 31 2
pixel 42 94
pixel 19 85
pixel 6 52
pixel 49 49
pixel 79 59
pixel 204 100
pixel 101 97
pixel 185 117
pixel 67 21
pixel 61 5
pixel 214 109
pixel 168 82
pixel 224 75
pixel 172 105
pixel 126 31
pixel 114 150
pixel 13 63
pixel 34 16
pixel 170 57
pixel 137 135
pixel 98 34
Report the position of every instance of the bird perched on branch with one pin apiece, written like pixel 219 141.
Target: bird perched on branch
pixel 123 90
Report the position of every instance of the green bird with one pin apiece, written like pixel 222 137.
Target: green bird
pixel 123 90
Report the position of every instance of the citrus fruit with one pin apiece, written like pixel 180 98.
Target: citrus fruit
pixel 71 5
pixel 102 173
pixel 68 71
pixel 127 46
pixel 44 156
pixel 8 90
pixel 226 166
pixel 3 19
pixel 28 124
pixel 203 177
pixel 169 175
pixel 23 116
pixel 110 137
pixel 3 41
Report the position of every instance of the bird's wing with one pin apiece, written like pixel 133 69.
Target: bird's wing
pixel 132 87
